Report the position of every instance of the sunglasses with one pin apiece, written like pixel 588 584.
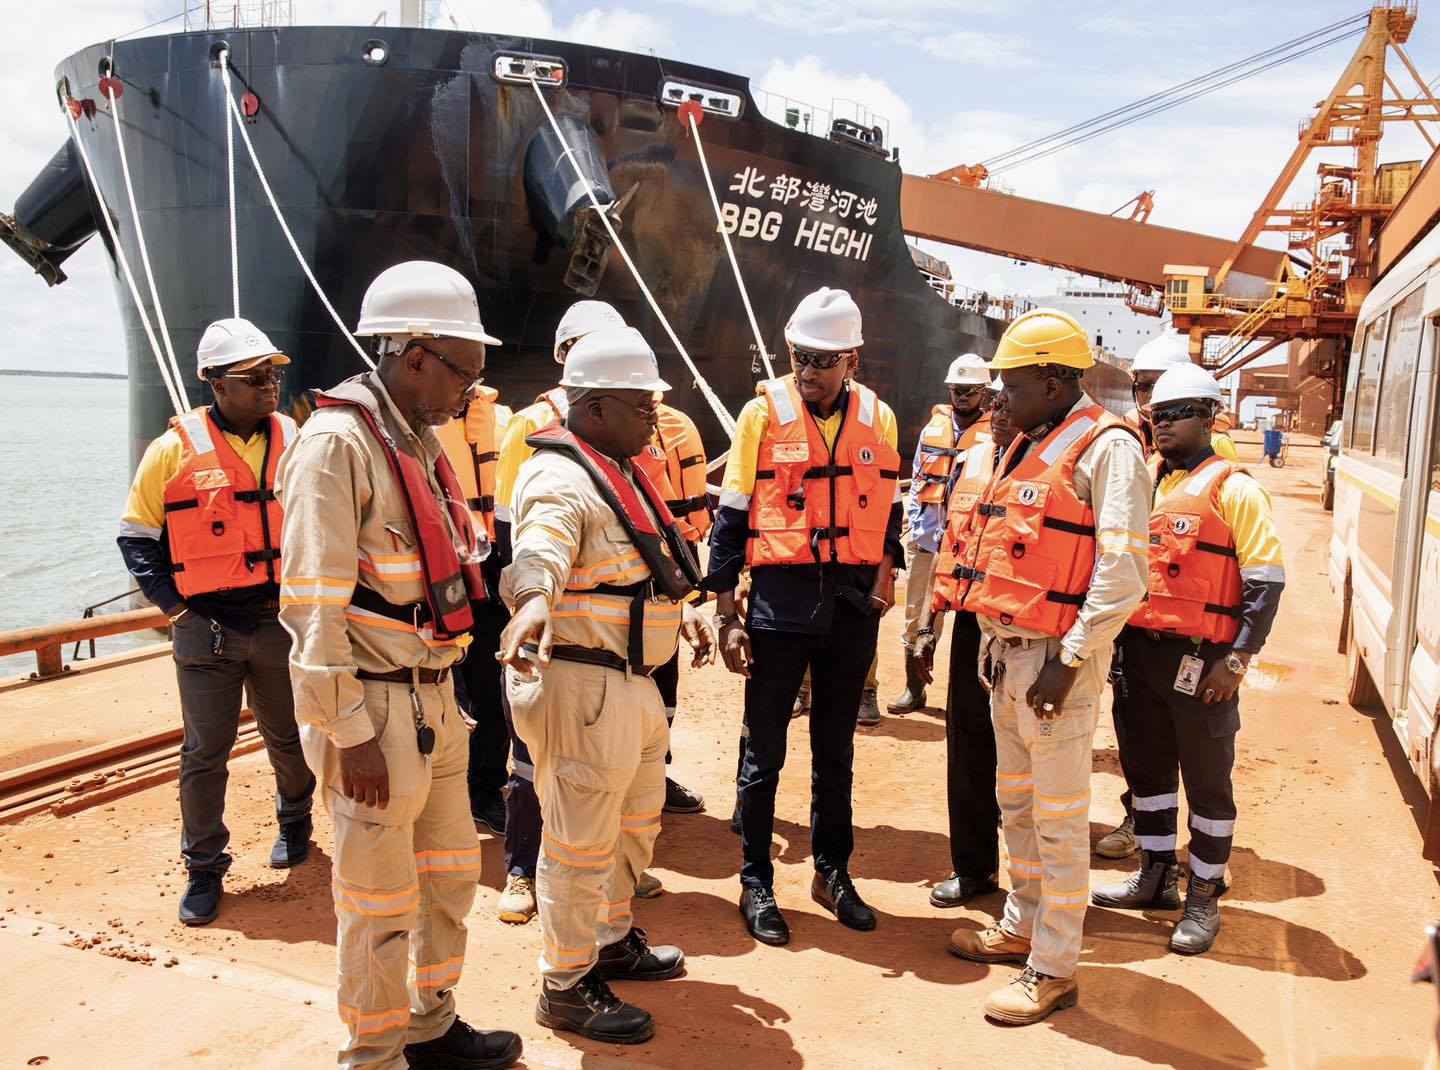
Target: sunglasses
pixel 646 410
pixel 258 378
pixel 470 381
pixel 819 361
pixel 1166 414
pixel 968 390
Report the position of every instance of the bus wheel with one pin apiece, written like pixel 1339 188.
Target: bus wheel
pixel 1360 690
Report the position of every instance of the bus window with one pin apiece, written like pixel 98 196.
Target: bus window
pixel 1362 435
pixel 1397 384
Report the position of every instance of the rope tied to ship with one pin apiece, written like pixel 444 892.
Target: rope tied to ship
pixel 727 422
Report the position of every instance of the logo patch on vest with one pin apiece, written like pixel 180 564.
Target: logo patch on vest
pixel 1180 525
pixel 1028 494
pixel 867 455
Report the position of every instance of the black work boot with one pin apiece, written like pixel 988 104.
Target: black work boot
pixel 957 890
pixel 490 812
pixel 201 902
pixel 1155 886
pixel 763 917
pixel 292 846
pixel 462 1047
pixel 632 959
pixel 681 800
pixel 835 891
pixel 592 1010
pixel 1197 928
pixel 913 697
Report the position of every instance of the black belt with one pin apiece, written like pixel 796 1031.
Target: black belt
pixel 404 676
pixel 416 614
pixel 589 656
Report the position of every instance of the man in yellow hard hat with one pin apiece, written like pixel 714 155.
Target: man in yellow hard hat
pixel 1055 565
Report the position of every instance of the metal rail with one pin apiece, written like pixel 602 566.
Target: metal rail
pixel 48 640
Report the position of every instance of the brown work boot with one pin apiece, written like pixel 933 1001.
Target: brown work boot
pixel 1031 997
pixel 995 944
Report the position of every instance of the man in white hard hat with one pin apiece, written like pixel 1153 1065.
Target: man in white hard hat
pixel 811 503
pixel 1215 579
pixel 381 567
pixel 201 535
pixel 598 590
pixel 1166 350
pixel 952 431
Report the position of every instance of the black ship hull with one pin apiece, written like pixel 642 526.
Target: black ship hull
pixel 428 155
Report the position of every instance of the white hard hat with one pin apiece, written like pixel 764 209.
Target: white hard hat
pixel 1164 350
pixel 421 297
pixel 827 320
pixel 613 358
pixel 969 369
pixel 235 341
pixel 580 319
pixel 1185 382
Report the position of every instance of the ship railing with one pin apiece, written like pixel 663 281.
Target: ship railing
pixel 239 14
pixel 89 612
pixel 47 642
pixel 811 119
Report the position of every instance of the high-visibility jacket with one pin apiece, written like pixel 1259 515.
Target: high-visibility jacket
pixel 939 446
pixel 675 463
pixel 472 443
pixel 1194 586
pixel 967 486
pixel 1034 539
pixel 223 526
pixel 812 505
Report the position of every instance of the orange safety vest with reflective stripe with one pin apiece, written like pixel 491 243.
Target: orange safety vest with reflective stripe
pixel 1033 539
pixel 675 463
pixel 811 505
pixel 939 446
pixel 472 443
pixel 969 484
pixel 1194 587
pixel 221 524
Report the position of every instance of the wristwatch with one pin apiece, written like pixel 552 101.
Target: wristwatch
pixel 725 619
pixel 1070 659
pixel 1234 664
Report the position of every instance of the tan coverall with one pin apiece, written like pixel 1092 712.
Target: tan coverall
pixel 403 877
pixel 1043 766
pixel 598 736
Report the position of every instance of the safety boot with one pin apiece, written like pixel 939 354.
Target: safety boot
pixel 590 1008
pixel 633 959
pixel 1154 886
pixel 869 714
pixel 1031 997
pixel 463 1047
pixel 1119 842
pixel 517 901
pixel 200 904
pixel 802 701
pixel 995 944
pixel 292 845
pixel 913 698
pixel 647 886
pixel 1197 928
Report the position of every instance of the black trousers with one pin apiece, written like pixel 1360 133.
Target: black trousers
pixel 522 807
pixel 838 663
pixel 478 689
pixel 1166 737
pixel 970 758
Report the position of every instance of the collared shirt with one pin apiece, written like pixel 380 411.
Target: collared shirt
pixel 146 549
pixel 565 538
pixel 1111 476
pixel 1245 507
pixel 788 598
pixel 346 522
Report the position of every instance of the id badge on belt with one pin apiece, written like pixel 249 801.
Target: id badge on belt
pixel 1187 679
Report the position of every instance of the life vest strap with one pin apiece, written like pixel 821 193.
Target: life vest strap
pixel 1223 611
pixel 483 504
pixel 827 471
pixel 1058 597
pixel 1216 548
pixel 691 462
pixel 1054 523
pixel 370 600
pixel 255 496
pixel 175 507
pixel 686 506
pixel 487 456
pixel 940 451
pixel 258 557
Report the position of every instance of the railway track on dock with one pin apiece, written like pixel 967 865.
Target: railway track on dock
pixel 107 771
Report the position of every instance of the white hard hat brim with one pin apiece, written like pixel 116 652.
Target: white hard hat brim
pixel 410 329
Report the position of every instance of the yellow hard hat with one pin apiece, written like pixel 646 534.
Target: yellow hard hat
pixel 1043 336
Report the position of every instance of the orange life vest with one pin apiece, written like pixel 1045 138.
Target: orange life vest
pixel 675 463
pixel 812 505
pixel 939 446
pixel 472 443
pixel 970 481
pixel 1194 586
pixel 221 524
pixel 558 402
pixel 1033 539
pixel 450 583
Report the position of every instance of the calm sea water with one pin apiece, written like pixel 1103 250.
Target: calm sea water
pixel 64 477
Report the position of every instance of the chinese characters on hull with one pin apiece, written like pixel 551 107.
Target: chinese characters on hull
pixel 827 219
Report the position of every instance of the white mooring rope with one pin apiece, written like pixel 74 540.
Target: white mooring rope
pixel 727 422
pixel 234 235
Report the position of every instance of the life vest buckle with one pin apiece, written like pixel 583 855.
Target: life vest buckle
pixel 1173 569
pixel 1018 550
pixel 864 500
pixel 217 528
pixel 796 500
pixel 1007 619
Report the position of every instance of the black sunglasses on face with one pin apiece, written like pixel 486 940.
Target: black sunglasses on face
pixel 470 381
pixel 1170 413
pixel 818 360
pixel 647 410
pixel 260 377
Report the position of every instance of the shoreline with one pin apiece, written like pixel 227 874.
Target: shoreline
pixel 37 373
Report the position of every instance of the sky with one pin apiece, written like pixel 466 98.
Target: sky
pixel 957 80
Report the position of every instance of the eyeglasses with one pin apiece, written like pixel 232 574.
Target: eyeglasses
pixel 646 410
pixel 819 361
pixel 260 377
pixel 470 381
pixel 968 390
pixel 1170 413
